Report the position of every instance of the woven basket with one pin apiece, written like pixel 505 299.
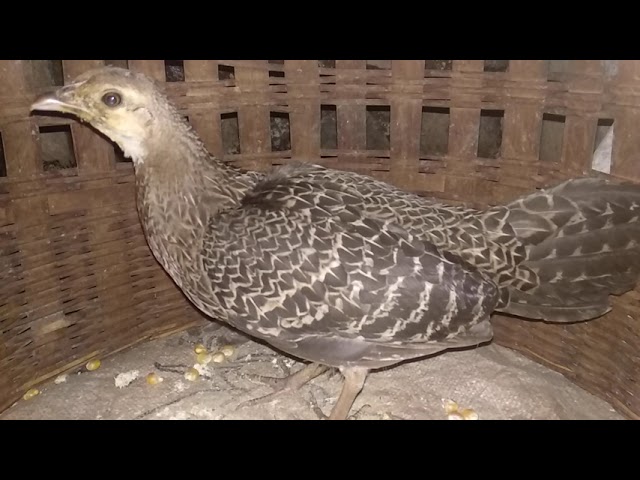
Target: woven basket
pixel 78 281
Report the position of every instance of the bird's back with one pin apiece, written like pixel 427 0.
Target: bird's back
pixel 521 247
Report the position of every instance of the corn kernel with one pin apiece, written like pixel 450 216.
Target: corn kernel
pixel 31 393
pixel 191 374
pixel 469 414
pixel 154 379
pixel 93 365
pixel 200 348
pixel 450 406
pixel 218 357
pixel 227 350
pixel 204 358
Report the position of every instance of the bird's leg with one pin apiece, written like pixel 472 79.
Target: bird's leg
pixel 354 379
pixel 293 381
pixel 288 384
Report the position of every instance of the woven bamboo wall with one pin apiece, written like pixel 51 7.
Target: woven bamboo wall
pixel 78 281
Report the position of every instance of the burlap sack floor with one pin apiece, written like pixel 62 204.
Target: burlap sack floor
pixel 495 382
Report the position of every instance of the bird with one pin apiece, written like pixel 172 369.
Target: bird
pixel 342 270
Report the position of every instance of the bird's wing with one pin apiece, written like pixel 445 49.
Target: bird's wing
pixel 482 239
pixel 300 259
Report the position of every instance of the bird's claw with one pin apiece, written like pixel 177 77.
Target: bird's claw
pixel 289 383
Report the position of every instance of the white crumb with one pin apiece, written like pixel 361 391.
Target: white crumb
pixel 202 370
pixel 179 386
pixel 124 379
pixel 60 379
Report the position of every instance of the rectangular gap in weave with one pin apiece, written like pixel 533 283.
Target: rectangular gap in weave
pixel 490 133
pixel 280 131
pixel 56 147
pixel 230 133
pixel 552 137
pixel 328 127
pixel 496 65
pixel 556 69
pixel 438 64
pixel 434 134
pixel 276 73
pixel 603 145
pixel 226 72
pixel 378 64
pixel 378 127
pixel 174 70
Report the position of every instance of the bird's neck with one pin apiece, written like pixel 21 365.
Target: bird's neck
pixel 181 169
pixel 180 187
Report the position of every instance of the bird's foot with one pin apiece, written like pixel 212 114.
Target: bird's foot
pixel 363 413
pixel 276 383
pixel 287 384
pixel 366 412
pixel 313 402
pixel 354 379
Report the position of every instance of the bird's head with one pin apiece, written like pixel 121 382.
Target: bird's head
pixel 123 105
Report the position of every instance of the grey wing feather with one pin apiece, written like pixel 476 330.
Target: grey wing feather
pixel 583 242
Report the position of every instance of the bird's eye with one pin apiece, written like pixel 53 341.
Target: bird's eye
pixel 111 99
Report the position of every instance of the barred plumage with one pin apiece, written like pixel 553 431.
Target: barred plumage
pixel 346 271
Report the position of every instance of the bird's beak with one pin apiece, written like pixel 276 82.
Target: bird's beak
pixel 49 102
pixel 58 101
